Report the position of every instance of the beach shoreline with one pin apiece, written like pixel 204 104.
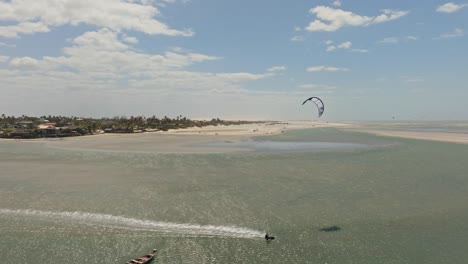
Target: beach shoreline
pixel 188 140
pixel 254 129
pixel 447 137
pixel 262 128
pixel 251 129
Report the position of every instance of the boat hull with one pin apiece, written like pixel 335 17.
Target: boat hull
pixel 143 259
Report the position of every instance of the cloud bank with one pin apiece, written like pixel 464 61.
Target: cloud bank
pixel 332 19
pixel 40 16
pixel 450 7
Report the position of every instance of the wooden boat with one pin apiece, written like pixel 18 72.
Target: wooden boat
pixel 143 259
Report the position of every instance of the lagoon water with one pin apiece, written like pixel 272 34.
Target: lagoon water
pixel 383 200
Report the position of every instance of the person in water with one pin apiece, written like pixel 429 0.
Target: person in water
pixel 268 237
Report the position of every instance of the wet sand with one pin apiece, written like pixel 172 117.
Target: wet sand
pixel 458 138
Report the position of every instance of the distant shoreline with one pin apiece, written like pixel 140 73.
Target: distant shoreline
pixel 263 128
pixel 254 129
pixel 26 127
pixel 251 129
pixel 176 141
pixel 457 138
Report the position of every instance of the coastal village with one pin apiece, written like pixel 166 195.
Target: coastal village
pixel 25 127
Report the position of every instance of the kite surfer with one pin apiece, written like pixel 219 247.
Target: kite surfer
pixel 319 103
pixel 268 237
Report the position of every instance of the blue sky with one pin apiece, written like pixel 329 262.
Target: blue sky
pixel 235 59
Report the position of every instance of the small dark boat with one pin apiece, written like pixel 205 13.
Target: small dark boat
pixel 144 259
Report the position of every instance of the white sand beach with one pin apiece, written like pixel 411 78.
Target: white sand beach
pixel 266 128
pixel 458 138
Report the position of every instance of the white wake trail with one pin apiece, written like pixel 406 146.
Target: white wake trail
pixel 107 220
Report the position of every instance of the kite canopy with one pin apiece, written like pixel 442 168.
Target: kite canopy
pixel 319 103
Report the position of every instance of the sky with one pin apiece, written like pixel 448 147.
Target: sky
pixel 243 59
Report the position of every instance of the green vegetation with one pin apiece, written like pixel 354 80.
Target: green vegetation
pixel 62 126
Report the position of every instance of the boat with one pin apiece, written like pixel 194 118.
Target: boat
pixel 144 259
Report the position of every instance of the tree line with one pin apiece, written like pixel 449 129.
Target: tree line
pixel 44 126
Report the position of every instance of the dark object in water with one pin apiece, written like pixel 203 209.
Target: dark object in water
pixel 330 229
pixel 144 259
pixel 268 238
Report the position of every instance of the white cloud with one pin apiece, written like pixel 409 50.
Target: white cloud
pixel 101 61
pixel 277 68
pixel 179 49
pixel 297 38
pixel 24 62
pixel 131 40
pixel 345 45
pixel 329 42
pixel 337 3
pixel 414 80
pixel 331 19
pixel 360 50
pixel 450 7
pixel 411 38
pixel 41 15
pixel 241 77
pixel 101 52
pixel 23 28
pixel 393 40
pixel 163 3
pixel 316 86
pixel 325 68
pixel 3 58
pixel 389 40
pixel 456 33
pixel 309 86
pixel 297 29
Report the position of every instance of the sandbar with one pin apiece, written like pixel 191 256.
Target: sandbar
pixel 459 138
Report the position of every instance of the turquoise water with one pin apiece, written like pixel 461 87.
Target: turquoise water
pixel 394 201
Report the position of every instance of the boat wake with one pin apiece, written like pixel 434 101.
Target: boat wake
pixel 120 222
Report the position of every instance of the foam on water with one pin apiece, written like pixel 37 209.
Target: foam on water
pixel 112 221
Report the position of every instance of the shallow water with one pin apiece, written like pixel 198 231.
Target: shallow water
pixel 418 126
pixel 278 146
pixel 394 201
